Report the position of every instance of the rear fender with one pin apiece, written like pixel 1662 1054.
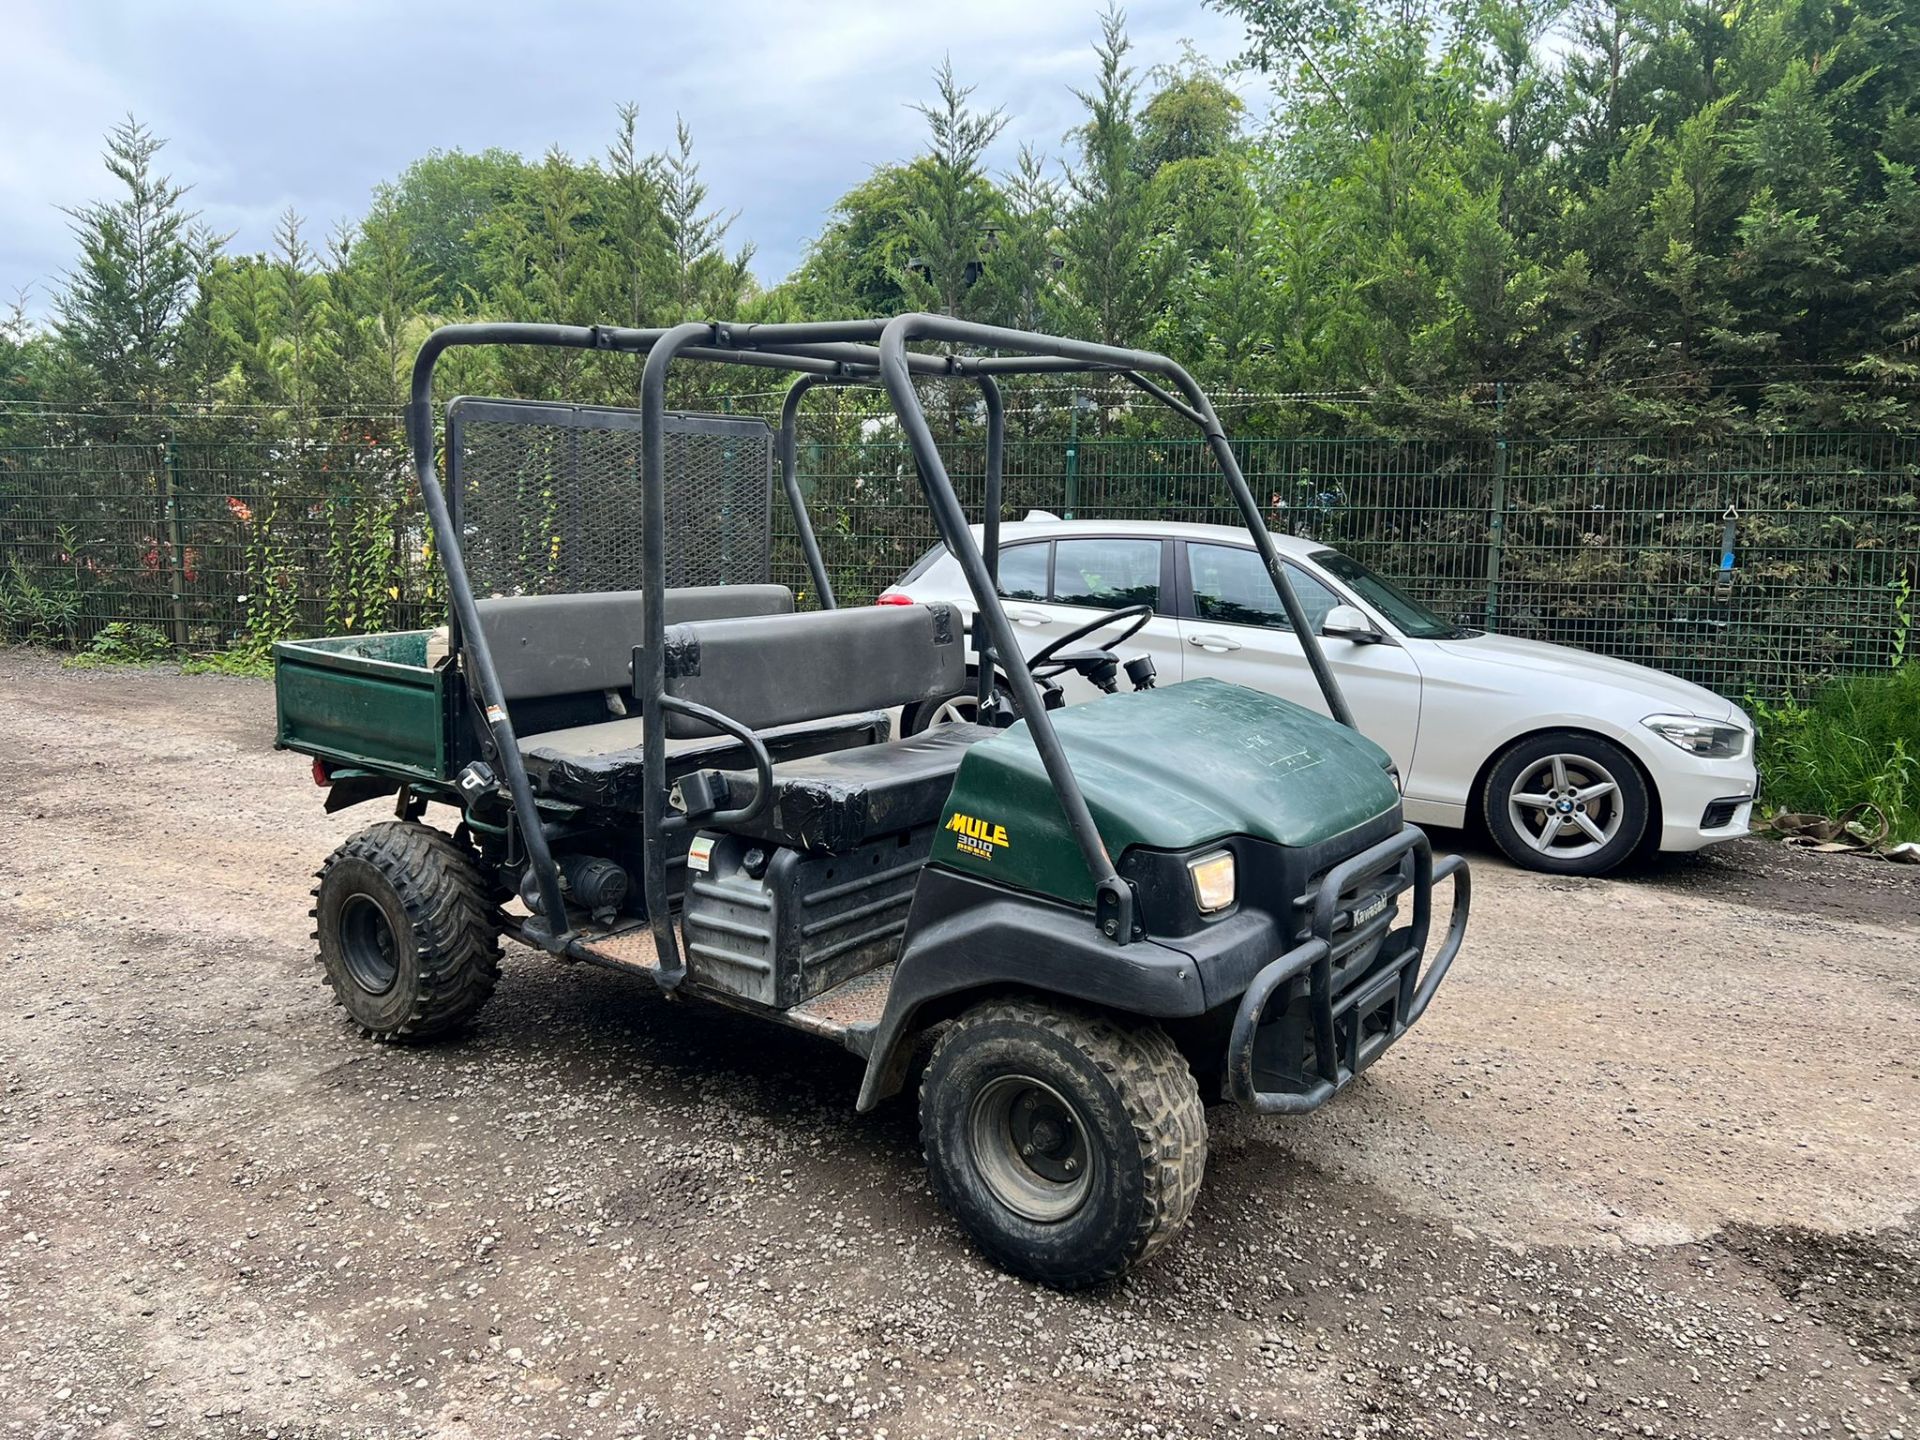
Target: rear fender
pixel 349 790
pixel 967 939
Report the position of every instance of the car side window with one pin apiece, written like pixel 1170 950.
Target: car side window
pixel 1106 573
pixel 1023 572
pixel 1231 587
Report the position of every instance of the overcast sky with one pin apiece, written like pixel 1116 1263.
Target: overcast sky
pixel 310 103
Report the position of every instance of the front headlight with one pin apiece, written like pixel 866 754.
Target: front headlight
pixel 1709 739
pixel 1213 881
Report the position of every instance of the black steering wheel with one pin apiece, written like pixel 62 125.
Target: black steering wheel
pixel 1047 661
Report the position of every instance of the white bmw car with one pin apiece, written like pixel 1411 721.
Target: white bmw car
pixel 1575 761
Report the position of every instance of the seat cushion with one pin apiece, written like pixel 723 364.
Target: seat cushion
pixel 602 765
pixel 843 798
pixel 585 741
pixel 769 670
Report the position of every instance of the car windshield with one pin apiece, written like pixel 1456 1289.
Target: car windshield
pixel 1408 615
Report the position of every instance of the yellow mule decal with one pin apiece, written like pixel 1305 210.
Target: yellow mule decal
pixel 977 837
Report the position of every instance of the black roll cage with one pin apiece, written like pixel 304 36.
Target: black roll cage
pixel 840 352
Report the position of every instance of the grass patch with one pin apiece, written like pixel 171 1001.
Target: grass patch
pixel 1857 741
pixel 255 662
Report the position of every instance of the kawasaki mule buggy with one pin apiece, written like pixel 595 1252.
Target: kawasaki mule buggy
pixel 1103 917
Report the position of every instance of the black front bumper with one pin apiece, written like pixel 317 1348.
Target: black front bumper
pixel 1308 1024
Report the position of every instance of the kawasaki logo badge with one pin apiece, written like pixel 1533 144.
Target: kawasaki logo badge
pixel 977 837
pixel 1363 913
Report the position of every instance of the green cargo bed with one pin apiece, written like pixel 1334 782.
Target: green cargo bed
pixel 364 701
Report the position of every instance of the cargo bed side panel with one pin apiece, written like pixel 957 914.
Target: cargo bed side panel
pixel 363 700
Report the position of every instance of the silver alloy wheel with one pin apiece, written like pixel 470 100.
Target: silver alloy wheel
pixel 961 710
pixel 1566 806
pixel 1030 1147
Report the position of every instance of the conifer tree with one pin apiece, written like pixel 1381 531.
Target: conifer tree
pixel 706 282
pixel 1114 272
pixel 951 206
pixel 141 257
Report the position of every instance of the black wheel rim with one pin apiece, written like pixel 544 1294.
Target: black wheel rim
pixel 1030 1147
pixel 367 945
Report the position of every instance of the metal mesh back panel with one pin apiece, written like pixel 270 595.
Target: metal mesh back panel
pixel 548 497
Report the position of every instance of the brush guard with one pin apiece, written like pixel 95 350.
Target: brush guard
pixel 1295 1042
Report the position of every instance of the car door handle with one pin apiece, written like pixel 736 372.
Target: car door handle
pixel 1214 644
pixel 1032 618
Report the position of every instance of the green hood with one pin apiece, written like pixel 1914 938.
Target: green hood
pixel 1170 769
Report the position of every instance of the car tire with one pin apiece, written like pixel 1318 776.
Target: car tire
pixel 1117 1120
pixel 1567 803
pixel 408 942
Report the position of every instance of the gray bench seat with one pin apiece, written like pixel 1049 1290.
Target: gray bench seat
pixel 546 645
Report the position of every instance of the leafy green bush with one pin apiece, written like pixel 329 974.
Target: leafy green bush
pixel 123 642
pixel 1858 741
pixel 34 612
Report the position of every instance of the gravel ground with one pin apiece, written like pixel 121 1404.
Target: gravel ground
pixel 1648 1167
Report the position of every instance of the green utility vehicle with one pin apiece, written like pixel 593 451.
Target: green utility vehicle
pixel 1080 926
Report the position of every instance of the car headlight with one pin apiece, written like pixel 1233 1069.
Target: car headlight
pixel 1213 881
pixel 1709 739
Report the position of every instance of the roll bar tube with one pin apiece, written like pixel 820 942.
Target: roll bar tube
pixel 1113 897
pixel 672 965
pixel 983 645
pixel 553 935
pixel 789 443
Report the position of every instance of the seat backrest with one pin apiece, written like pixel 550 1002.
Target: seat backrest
pixel 788 669
pixel 573 644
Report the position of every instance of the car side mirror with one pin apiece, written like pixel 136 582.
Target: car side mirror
pixel 1346 622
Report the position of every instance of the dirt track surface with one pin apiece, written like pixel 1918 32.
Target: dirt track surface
pixel 1649 1167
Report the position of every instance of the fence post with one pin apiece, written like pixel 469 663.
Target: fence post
pixel 176 551
pixel 1497 508
pixel 1073 456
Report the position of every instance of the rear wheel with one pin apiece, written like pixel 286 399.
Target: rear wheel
pixel 960 709
pixel 407 937
pixel 1069 1145
pixel 1567 803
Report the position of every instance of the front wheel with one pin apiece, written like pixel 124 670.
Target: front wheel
pixel 1567 803
pixel 407 939
pixel 1069 1145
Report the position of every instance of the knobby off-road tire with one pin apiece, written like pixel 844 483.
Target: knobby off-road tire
pixel 407 938
pixel 1061 1085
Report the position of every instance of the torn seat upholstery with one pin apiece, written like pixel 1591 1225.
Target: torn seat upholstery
pixel 602 765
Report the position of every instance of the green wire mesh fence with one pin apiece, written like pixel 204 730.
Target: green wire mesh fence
pixel 215 533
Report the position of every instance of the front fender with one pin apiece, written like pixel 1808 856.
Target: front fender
pixel 1448 762
pixel 965 935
